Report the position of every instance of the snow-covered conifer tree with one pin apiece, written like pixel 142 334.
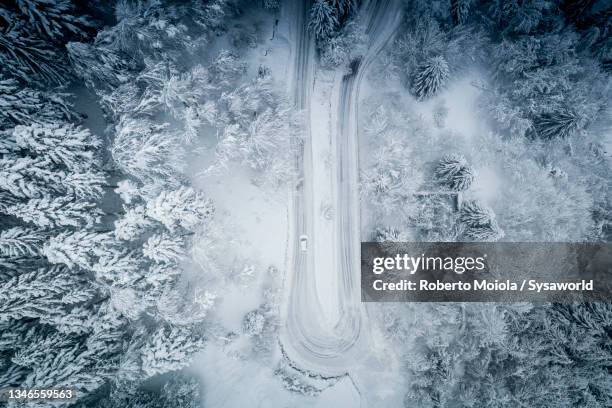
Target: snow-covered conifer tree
pixel 164 248
pixel 54 19
pixel 26 177
pixel 117 266
pixel 103 67
pixel 147 151
pixel 132 224
pixel 459 11
pixel 54 212
pixel 168 349
pixel 480 223
pixel 183 207
pixel 29 58
pixel 88 184
pixel 19 241
pixel 390 182
pixel 63 144
pixel 323 19
pixel 75 248
pixel 430 77
pixel 454 172
pixel 22 105
pixel 562 123
pixel 44 294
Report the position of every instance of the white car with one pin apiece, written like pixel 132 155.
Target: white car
pixel 303 243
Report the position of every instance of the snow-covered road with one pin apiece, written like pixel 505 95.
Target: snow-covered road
pixel 324 319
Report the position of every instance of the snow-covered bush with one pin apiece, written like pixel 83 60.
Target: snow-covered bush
pixel 253 323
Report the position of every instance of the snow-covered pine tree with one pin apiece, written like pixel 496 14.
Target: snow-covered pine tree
pixel 271 4
pixel 75 249
pixel 390 234
pixel 54 19
pixel 454 172
pixel 132 224
pixel 430 77
pixel 87 184
pixel 344 8
pixel 521 17
pixel 183 207
pixel 422 40
pixel 47 294
pixel 147 150
pixel 460 10
pixel 390 182
pixel 252 131
pixel 31 59
pixel 323 19
pixel 164 248
pixel 391 239
pixel 169 349
pixel 27 177
pixel 116 266
pixel 101 68
pixel 54 212
pixel 63 144
pixel 21 105
pixel 479 221
pixel 181 390
pixel 20 241
pixel 83 367
pixel 562 123
pixel 159 277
